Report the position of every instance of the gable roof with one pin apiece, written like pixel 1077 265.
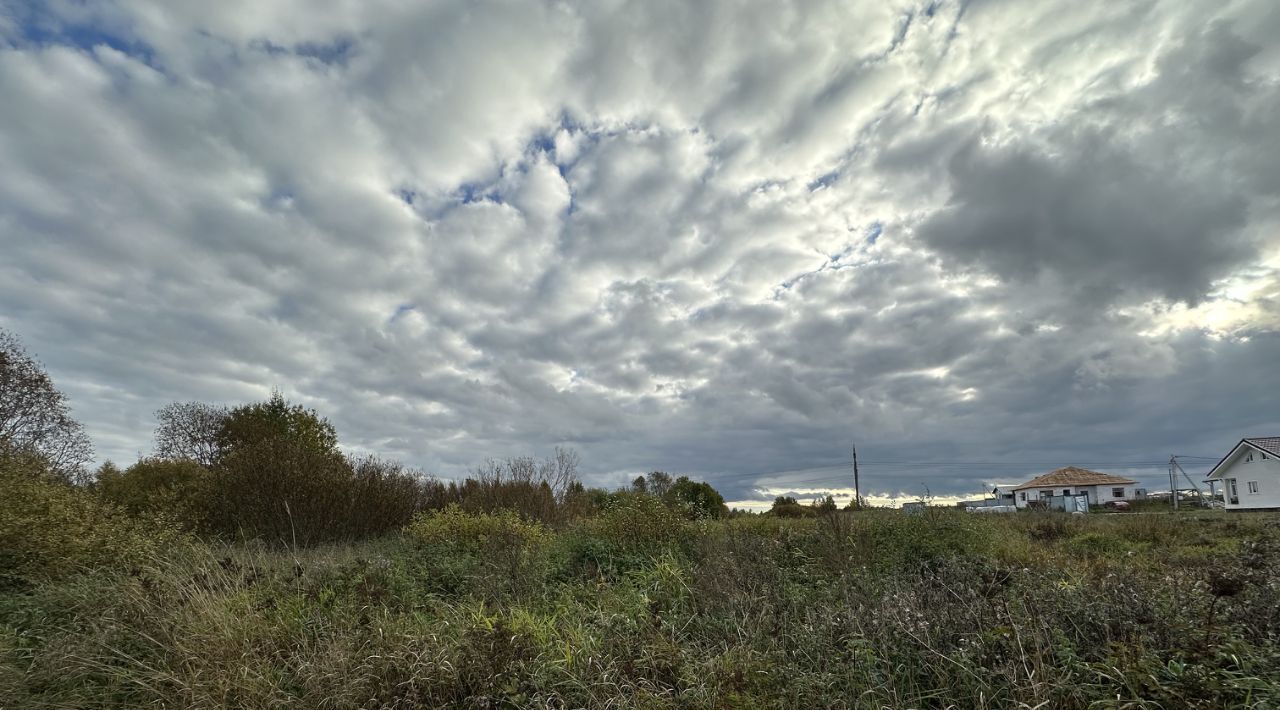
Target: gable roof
pixel 1266 444
pixel 1072 476
pixel 1269 444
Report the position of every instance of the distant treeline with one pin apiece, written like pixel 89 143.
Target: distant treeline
pixel 272 470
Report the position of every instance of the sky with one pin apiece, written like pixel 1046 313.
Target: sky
pixel 724 239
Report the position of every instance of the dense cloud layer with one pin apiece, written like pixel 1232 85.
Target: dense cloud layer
pixel 709 238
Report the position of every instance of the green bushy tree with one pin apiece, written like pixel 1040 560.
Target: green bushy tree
pixel 278 475
pixel 275 421
pixel 698 498
pixel 176 489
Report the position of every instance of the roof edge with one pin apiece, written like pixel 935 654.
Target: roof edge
pixel 1214 471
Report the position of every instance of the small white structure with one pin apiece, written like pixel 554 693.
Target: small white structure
pixel 1071 481
pixel 991 509
pixel 999 496
pixel 1250 474
pixel 1003 495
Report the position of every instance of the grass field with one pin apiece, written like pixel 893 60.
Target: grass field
pixel 637 607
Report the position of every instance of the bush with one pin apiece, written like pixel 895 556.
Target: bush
pixel 631 530
pixel 497 552
pixel 50 529
pixel 282 491
pixel 278 475
pixel 173 489
pixel 383 497
pixel 1097 544
pixel 905 540
pixel 458 532
pixel 792 510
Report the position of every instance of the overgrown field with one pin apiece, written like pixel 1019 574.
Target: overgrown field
pixel 637 606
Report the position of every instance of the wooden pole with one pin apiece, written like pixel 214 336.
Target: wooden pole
pixel 857 490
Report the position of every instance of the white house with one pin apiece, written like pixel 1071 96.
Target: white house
pixel 1072 481
pixel 1250 474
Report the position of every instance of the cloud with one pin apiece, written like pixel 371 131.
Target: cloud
pixel 720 240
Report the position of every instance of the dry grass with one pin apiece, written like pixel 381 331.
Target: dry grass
pixel 858 610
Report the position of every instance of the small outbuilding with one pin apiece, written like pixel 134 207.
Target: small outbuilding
pixel 1250 474
pixel 1000 496
pixel 1072 482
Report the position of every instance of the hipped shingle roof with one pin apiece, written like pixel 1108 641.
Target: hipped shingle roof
pixel 1072 476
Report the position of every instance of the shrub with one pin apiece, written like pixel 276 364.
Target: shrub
pixel 50 529
pixel 538 490
pixel 282 491
pixel 174 489
pixel 1097 544
pixel 631 530
pixel 383 495
pixel 279 476
pixel 504 552
pixel 459 532
pixel 792 510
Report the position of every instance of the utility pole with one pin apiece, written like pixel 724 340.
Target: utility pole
pixel 1173 483
pixel 1194 486
pixel 857 490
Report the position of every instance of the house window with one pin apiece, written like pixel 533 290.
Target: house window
pixel 1046 494
pixel 1023 495
pixel 1117 492
pixel 1066 491
pixel 1248 457
pixel 1253 487
pixel 1231 487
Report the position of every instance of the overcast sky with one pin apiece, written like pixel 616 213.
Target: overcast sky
pixel 717 238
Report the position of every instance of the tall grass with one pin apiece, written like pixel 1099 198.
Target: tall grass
pixel 851 610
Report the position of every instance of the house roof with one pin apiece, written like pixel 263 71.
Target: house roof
pixel 1072 476
pixel 1268 444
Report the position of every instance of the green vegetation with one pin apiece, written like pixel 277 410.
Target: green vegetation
pixel 637 605
pixel 252 564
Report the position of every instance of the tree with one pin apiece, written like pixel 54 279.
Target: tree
pixel 825 505
pixel 34 416
pixel 659 483
pixel 535 489
pixel 698 497
pixel 788 507
pixel 275 421
pixel 278 475
pixel 189 430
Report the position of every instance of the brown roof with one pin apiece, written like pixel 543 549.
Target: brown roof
pixel 1270 444
pixel 1072 476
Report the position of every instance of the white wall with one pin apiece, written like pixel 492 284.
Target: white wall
pixel 1097 494
pixel 1265 472
pixel 1101 494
